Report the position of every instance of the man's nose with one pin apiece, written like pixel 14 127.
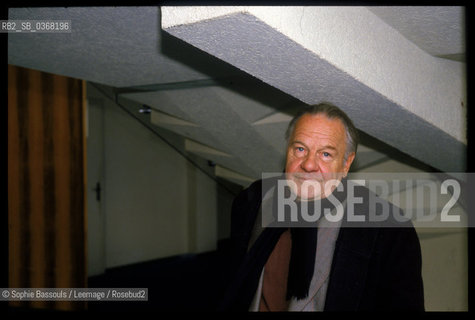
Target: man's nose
pixel 310 163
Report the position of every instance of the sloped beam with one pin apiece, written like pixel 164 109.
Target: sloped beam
pixel 195 147
pixel 160 119
pixel 345 55
pixel 223 118
pixel 233 176
pixel 278 117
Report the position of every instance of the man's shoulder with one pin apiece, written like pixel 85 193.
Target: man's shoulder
pixel 249 193
pixel 256 189
pixel 374 210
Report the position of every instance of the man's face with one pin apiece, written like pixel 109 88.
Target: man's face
pixel 315 155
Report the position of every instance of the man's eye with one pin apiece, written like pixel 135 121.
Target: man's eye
pixel 326 154
pixel 300 149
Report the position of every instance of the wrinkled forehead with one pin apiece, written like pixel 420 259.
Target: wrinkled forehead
pixel 320 126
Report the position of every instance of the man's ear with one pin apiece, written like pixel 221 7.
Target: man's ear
pixel 348 162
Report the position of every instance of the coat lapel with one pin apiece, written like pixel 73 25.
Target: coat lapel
pixel 353 251
pixel 349 269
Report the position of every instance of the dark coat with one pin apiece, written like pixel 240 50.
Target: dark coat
pixel 374 267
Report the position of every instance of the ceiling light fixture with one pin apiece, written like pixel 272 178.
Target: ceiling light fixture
pixel 145 109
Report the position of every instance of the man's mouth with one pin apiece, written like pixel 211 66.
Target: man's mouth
pixel 311 177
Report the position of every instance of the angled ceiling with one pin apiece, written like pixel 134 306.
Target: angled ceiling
pixel 439 31
pixel 116 46
pixel 235 113
pixel 389 86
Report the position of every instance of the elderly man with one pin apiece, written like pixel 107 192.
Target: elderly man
pixel 336 265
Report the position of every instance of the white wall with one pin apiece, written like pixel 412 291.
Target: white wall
pixel 145 193
pixel 155 203
pixel 445 269
pixel 202 211
pixel 95 232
